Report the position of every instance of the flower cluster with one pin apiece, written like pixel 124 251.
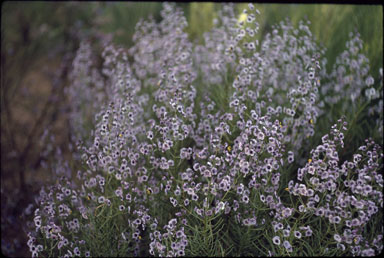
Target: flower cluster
pixel 347 195
pixel 195 142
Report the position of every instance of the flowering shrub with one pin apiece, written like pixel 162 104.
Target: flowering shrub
pixel 198 148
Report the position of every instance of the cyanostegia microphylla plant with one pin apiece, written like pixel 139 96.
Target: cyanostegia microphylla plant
pixel 85 93
pixel 193 152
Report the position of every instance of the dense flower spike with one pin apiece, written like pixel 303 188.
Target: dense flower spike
pixel 194 145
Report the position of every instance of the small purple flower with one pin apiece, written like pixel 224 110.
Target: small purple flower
pixel 276 240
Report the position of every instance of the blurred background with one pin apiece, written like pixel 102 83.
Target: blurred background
pixel 38 44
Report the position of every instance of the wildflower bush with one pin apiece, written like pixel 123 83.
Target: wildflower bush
pixel 216 149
